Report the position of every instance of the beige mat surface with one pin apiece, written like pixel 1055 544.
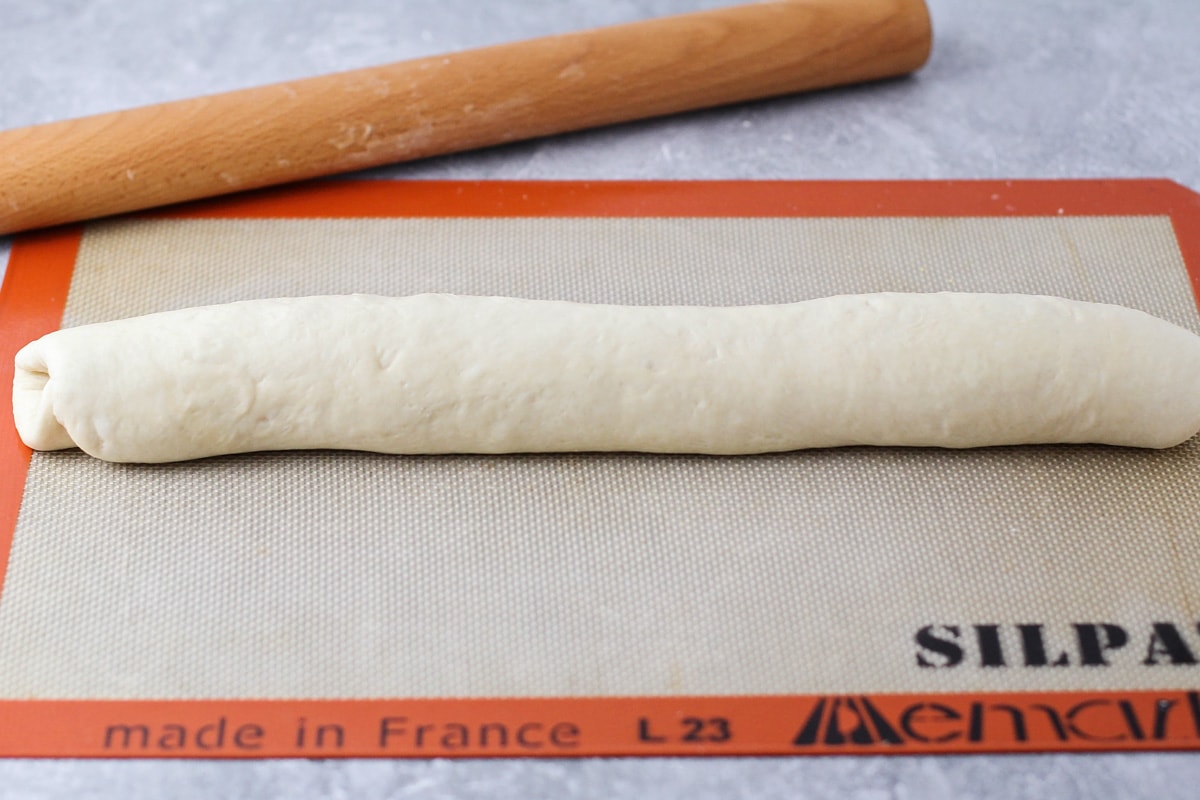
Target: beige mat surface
pixel 345 575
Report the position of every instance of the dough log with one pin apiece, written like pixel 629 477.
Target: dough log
pixel 451 374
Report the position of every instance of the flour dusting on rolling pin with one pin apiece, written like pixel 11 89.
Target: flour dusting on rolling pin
pixel 128 160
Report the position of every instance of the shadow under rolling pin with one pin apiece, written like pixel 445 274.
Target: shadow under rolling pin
pixel 128 160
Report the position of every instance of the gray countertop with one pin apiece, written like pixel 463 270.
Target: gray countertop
pixel 1056 88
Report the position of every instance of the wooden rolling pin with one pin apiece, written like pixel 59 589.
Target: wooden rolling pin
pixel 127 160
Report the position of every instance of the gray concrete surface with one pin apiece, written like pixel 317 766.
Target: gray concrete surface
pixel 1054 88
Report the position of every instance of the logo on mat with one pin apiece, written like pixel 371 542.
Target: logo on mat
pixel 882 722
pixel 1077 644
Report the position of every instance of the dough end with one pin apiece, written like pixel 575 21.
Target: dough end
pixel 33 407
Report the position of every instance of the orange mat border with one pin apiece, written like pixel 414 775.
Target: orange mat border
pixel 900 724
pixel 31 304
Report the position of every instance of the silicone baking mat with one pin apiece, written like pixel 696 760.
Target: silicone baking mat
pixel 854 600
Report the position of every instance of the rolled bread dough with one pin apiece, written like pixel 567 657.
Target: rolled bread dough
pixel 454 374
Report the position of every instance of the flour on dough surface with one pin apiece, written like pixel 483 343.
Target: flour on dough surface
pixel 461 374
